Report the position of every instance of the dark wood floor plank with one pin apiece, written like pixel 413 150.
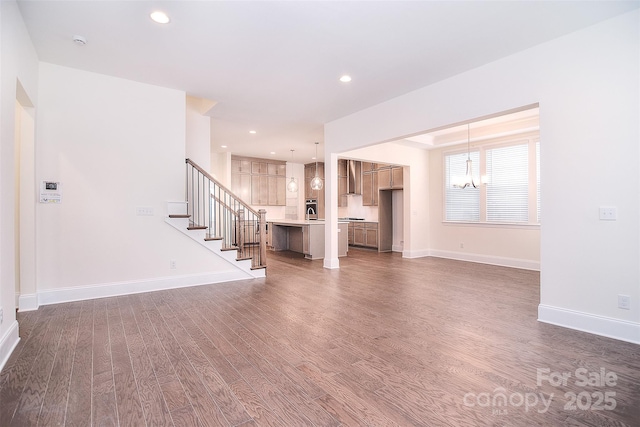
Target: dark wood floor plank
pixel 78 410
pixel 382 341
pixel 154 407
pixel 17 373
pixel 218 389
pixel 126 386
pixel 54 407
pixel 208 412
pixel 104 407
pixel 33 394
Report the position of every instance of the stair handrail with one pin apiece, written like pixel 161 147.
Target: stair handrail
pixel 208 210
pixel 211 178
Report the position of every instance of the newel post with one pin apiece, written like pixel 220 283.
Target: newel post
pixel 262 226
pixel 240 230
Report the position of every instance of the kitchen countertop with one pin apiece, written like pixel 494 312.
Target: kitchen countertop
pixel 295 222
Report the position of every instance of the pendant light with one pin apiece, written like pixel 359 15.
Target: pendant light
pixel 292 186
pixel 316 182
pixel 468 177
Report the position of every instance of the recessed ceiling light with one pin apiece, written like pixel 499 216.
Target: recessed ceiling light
pixel 160 17
pixel 273 152
pixel 223 146
pixel 252 132
pixel 345 79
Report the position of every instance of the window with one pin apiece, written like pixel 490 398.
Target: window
pixel 461 205
pixel 508 184
pixel 510 190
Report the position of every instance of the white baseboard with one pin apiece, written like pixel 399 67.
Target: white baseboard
pixel 415 254
pixel 28 302
pixel 331 263
pixel 599 325
pixel 8 343
pixel 488 259
pixel 79 293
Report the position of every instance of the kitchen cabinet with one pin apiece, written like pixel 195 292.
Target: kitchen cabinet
pixel 240 166
pixel 363 234
pixel 342 183
pixel 390 178
pixel 306 237
pixel 259 190
pixel 369 188
pixel 259 182
pixel 277 169
pixel 241 185
pixel 276 194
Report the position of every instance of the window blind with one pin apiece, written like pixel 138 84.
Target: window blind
pixel 508 184
pixel 461 204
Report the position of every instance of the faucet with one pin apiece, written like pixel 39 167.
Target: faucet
pixel 309 211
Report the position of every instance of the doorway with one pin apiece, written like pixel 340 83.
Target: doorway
pixel 24 201
pixel 390 221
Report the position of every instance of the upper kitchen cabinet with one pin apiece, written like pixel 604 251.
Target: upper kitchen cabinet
pixel 342 182
pixel 369 187
pixel 261 180
pixel 390 178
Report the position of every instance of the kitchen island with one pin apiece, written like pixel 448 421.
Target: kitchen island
pixel 304 236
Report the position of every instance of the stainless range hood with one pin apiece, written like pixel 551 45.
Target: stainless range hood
pixel 354 169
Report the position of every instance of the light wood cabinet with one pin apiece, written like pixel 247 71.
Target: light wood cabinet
pixel 259 182
pixel 370 188
pixel 363 234
pixel 342 182
pixel 259 190
pixel 390 178
pixel 276 193
pixel 240 166
pixel 276 169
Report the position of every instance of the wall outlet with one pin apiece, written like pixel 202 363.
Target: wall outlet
pixel 624 302
pixel 608 213
pixel 144 211
pixel 172 264
pixel 461 245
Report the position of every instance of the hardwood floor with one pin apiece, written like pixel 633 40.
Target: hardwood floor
pixel 382 341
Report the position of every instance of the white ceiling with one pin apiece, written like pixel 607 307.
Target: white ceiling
pixel 273 67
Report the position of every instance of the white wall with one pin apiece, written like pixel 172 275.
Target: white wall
pixel 198 133
pixel 587 86
pixel 115 145
pixel 18 63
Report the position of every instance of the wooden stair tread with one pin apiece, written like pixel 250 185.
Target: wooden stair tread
pixel 259 267
pixel 197 227
pixel 179 216
pixel 208 238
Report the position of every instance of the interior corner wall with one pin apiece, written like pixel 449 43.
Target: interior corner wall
pixel 114 145
pixel 18 63
pixel 198 134
pixel 587 86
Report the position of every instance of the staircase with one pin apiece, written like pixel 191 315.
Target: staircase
pixel 220 221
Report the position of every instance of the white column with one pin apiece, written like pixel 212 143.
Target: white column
pixel 331 210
